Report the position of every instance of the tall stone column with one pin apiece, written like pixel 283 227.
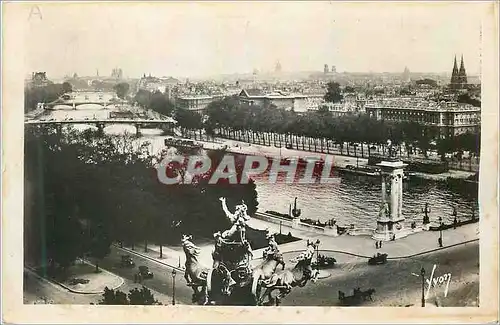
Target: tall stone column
pixel 390 215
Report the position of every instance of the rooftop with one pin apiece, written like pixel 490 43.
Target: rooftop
pixel 420 104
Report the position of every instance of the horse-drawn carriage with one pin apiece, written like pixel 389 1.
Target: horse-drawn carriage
pixel 358 296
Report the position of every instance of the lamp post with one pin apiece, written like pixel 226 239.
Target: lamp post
pixel 426 210
pixel 441 230
pixel 317 251
pixel 174 272
pixel 422 274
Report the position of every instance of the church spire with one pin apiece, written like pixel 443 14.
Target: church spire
pixel 462 67
pixel 462 75
pixel 454 73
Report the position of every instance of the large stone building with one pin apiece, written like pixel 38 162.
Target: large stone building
pixel 196 103
pixel 297 102
pixel 39 79
pixel 444 118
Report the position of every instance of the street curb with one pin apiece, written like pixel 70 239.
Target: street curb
pixel 389 258
pixel 128 250
pixel 122 281
pixel 299 251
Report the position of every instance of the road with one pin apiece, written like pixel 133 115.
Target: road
pixel 36 289
pixel 161 282
pixel 394 283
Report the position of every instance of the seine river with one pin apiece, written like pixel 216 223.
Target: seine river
pixel 353 200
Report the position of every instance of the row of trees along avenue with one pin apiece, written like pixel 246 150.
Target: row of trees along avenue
pixel 84 191
pixel 270 125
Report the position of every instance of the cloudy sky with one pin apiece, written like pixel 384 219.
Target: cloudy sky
pixel 201 39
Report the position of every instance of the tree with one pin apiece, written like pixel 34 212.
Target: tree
pixel 349 89
pixel 122 89
pixel 100 244
pixel 143 98
pixel 45 94
pixel 160 103
pixel 67 87
pixel 427 81
pixel 333 93
pixel 110 297
pixel 187 119
pixel 142 297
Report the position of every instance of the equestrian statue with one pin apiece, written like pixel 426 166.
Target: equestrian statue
pixel 231 279
pixel 285 280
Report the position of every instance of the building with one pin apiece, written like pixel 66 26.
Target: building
pixel 458 76
pixel 444 118
pixel 196 103
pixel 277 67
pixel 406 75
pixel 39 79
pixel 297 102
pixel 338 109
pixel 117 73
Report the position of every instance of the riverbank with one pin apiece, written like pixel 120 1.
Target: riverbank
pixel 245 148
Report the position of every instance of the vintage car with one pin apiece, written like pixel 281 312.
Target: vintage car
pixel 144 272
pixel 378 259
pixel 126 261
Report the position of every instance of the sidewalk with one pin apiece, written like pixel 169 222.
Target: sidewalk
pixel 97 281
pixel 416 243
pixel 361 246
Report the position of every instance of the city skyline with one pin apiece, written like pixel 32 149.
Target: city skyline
pixel 208 39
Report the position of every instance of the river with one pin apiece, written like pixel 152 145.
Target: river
pixel 353 200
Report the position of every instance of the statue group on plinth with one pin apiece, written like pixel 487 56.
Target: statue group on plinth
pixel 231 277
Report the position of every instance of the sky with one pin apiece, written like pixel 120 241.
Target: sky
pixel 205 38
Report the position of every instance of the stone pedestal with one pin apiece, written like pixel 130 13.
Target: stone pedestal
pixel 389 221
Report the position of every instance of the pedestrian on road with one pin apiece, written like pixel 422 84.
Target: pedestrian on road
pixel 376 244
pixel 440 242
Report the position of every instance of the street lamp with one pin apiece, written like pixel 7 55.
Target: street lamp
pixel 317 251
pixel 422 274
pixel 440 232
pixel 174 272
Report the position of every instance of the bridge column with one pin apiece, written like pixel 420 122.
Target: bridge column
pixel 58 127
pixel 138 129
pixel 100 128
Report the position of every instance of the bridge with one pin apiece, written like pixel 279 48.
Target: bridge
pixel 75 99
pixel 101 123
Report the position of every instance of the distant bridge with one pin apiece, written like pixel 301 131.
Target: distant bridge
pixel 74 103
pixel 101 123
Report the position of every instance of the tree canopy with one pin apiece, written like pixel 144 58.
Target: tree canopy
pixel 122 89
pixel 85 191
